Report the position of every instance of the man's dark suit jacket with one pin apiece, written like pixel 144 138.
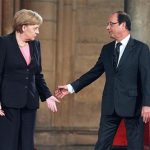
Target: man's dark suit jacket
pixel 127 89
pixel 20 84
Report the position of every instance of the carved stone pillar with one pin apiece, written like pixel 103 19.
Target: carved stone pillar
pixel 139 11
pixel 7 11
pixel 65 54
pixel 7 16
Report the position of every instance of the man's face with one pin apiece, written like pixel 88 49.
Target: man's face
pixel 113 26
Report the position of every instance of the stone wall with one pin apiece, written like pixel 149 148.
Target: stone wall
pixel 80 33
pixel 71 36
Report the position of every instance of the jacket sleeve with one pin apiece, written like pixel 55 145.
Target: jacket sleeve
pixel 41 85
pixel 144 67
pixel 2 61
pixel 94 73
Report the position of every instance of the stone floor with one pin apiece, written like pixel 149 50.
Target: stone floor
pixel 73 148
pixel 65 148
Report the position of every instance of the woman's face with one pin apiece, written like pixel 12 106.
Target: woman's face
pixel 30 31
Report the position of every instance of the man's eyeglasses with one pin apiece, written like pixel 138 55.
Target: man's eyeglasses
pixel 112 23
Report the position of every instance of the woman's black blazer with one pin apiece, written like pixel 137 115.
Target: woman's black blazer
pixel 21 84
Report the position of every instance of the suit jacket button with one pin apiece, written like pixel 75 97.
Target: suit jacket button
pixel 26 87
pixel 27 78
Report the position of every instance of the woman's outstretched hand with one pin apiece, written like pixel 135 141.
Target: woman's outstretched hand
pixel 51 103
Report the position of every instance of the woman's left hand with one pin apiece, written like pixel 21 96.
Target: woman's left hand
pixel 1 111
pixel 51 103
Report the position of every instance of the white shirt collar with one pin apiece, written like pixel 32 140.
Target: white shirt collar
pixel 124 41
pixel 123 46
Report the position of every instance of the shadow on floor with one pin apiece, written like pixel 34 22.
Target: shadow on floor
pixel 73 148
pixel 119 148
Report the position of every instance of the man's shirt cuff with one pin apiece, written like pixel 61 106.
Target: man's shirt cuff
pixel 70 88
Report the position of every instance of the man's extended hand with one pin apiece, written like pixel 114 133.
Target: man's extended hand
pixel 61 91
pixel 51 103
pixel 145 113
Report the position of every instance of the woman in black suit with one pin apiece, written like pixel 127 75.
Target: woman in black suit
pixel 21 82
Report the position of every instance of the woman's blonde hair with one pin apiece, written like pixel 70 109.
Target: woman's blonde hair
pixel 26 17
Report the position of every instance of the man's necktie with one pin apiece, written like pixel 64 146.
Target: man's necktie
pixel 116 54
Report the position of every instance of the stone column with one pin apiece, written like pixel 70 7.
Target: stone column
pixel 17 5
pixel 7 16
pixel 65 55
pixel 139 11
pixel 7 11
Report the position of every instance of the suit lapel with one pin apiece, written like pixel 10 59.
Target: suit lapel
pixel 31 51
pixel 19 51
pixel 126 52
pixel 16 47
pixel 110 53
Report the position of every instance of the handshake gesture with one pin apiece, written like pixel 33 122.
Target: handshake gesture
pixel 61 91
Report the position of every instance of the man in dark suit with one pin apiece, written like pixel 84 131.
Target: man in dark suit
pixel 126 63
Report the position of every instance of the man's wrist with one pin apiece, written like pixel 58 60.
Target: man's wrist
pixel 70 88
